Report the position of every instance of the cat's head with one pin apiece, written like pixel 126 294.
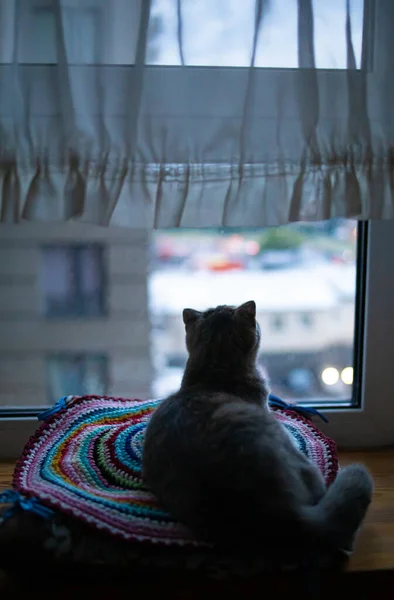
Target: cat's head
pixel 223 331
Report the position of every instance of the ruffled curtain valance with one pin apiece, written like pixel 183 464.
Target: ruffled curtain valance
pixel 196 113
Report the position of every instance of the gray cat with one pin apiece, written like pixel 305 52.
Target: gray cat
pixel 219 461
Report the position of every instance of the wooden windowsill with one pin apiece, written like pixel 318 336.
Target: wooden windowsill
pixel 375 544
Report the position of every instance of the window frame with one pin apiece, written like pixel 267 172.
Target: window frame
pixel 369 425
pixel 372 423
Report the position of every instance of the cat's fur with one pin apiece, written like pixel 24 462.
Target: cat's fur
pixel 219 461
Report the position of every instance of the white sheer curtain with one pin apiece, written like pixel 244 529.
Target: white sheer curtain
pixel 195 113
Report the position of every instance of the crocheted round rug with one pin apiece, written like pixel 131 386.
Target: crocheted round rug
pixel 85 460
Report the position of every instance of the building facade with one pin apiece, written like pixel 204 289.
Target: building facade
pixel 73 313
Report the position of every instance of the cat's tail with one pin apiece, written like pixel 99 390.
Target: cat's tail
pixel 339 514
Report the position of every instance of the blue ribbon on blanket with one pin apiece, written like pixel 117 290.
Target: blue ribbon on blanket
pixel 304 411
pixel 17 501
pixel 60 405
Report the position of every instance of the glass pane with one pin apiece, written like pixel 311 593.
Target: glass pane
pixel 42 37
pixel 213 32
pixel 302 277
pixel 220 33
pixel 80 28
pixel 92 281
pixel 98 32
pixel 72 281
pixel 57 280
pixel 81 34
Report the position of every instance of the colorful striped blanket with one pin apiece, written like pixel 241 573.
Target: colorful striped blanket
pixel 85 461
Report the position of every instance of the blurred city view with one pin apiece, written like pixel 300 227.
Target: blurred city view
pixel 93 310
pixel 303 279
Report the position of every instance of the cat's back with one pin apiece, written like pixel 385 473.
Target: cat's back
pixel 174 436
pixel 187 414
pixel 200 449
pixel 192 432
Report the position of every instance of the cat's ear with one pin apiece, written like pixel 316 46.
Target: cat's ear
pixel 247 309
pixel 190 316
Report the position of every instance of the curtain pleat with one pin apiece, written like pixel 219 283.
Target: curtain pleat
pixel 252 115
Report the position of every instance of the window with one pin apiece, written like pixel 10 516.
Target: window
pixel 76 374
pixel 341 360
pixel 214 34
pixel 92 32
pixel 81 29
pixel 73 282
pixel 138 350
pixel 297 274
pixel 218 33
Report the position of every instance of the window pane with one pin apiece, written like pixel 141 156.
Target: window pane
pixel 302 277
pixel 42 37
pixel 220 33
pixel 214 32
pixel 57 278
pixel 73 281
pixel 80 29
pixel 92 280
pixel 81 34
pixel 93 31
